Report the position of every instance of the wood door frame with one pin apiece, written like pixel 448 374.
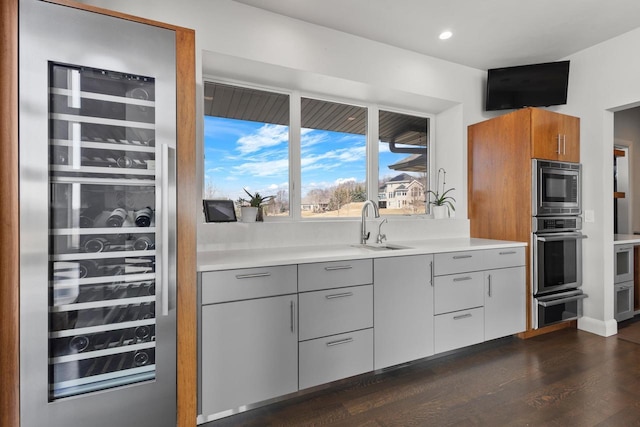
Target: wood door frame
pixel 9 226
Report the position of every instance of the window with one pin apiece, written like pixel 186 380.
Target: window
pixel 246 145
pixel 333 148
pixel 403 161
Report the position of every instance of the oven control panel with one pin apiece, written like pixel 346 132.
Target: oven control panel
pixel 551 224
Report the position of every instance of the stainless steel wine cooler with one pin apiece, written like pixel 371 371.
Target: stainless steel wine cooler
pixel 97 189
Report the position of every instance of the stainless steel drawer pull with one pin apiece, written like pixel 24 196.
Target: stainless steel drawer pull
pixel 507 253
pixel 251 276
pixel 345 294
pixel 431 273
pixel 489 279
pixel 462 316
pixel 461 256
pixel 461 279
pixel 338 267
pixel 344 341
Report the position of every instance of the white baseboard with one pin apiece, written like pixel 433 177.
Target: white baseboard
pixel 604 328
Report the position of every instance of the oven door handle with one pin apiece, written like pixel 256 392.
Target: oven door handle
pixel 561 236
pixel 562 300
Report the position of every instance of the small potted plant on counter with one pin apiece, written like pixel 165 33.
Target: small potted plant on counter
pixel 441 203
pixel 253 212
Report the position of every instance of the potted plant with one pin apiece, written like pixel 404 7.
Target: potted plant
pixel 253 212
pixel 442 204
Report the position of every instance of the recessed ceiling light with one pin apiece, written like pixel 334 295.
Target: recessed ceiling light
pixel 445 35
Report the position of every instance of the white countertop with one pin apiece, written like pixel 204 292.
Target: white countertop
pixel 245 258
pixel 625 239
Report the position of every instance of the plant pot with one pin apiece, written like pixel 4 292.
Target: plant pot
pixel 248 214
pixel 440 212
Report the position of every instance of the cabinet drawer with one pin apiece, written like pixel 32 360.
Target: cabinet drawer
pixel 504 258
pixel 335 311
pixel 458 292
pixel 459 329
pixel 335 274
pixel 233 285
pixel 458 262
pixel 332 358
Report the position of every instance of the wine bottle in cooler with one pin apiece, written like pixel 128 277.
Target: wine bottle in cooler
pixel 117 217
pixel 143 217
pixel 88 268
pixel 96 244
pixel 143 243
pixel 140 358
pixel 142 333
pixel 124 162
pixel 79 343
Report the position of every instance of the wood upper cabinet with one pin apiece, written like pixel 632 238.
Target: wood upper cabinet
pixel 554 136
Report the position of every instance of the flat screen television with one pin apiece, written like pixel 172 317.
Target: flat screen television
pixel 535 85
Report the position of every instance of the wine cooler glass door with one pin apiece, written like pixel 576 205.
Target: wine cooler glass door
pixel 98 202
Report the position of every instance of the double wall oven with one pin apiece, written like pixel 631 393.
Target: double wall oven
pixel 556 242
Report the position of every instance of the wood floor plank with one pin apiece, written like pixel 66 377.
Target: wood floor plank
pixel 566 378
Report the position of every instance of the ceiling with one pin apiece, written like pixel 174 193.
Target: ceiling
pixel 486 33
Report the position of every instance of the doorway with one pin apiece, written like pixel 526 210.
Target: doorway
pixel 626 162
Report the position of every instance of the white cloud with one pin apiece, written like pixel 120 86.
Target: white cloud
pixel 268 136
pixel 308 140
pixel 333 159
pixel 267 168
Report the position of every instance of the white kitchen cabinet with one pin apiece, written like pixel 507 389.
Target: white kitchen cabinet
pixel 504 302
pixel 248 336
pixel 247 283
pixel 403 309
pixel 334 274
pixel 333 311
pixel 458 262
pixel 458 292
pixel 249 352
pixel 332 358
pixel 336 320
pixel 459 329
pixel 479 296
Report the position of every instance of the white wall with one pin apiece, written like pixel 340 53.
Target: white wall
pixel 603 79
pixel 236 42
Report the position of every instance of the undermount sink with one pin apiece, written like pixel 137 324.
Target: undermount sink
pixel 382 247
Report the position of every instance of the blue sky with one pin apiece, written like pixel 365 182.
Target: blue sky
pixel 255 155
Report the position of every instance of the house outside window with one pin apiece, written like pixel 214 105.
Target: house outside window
pixel 403 162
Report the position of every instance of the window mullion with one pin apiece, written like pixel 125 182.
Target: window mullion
pixel 295 153
pixel 372 153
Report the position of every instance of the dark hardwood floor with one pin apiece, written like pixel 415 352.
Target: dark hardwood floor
pixel 566 378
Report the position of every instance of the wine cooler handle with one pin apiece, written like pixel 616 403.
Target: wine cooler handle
pixel 164 228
